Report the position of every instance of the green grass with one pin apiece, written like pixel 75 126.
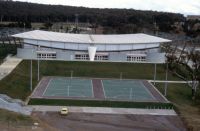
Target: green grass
pixel 103 70
pixel 6 116
pixel 188 109
pixel 17 84
pixel 7 49
pixel 97 103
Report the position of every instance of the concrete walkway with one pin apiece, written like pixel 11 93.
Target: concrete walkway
pixel 14 105
pixel 105 110
pixel 8 66
pixel 176 82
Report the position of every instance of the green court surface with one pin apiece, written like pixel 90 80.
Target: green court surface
pixel 67 87
pixel 131 90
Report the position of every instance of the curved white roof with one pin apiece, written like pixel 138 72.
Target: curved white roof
pixel 93 39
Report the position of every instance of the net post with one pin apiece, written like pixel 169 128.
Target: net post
pixel 121 74
pixel 131 90
pixel 71 73
pixel 71 77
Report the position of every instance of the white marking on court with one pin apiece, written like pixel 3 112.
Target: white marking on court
pixel 131 93
pixel 68 91
pixel 47 87
pixel 158 91
pixel 141 82
pixel 62 90
pixel 103 89
pixel 34 90
pixel 92 88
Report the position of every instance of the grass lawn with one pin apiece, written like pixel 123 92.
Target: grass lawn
pixel 180 96
pixel 14 118
pixel 17 84
pixel 98 103
pixel 103 70
pixel 5 50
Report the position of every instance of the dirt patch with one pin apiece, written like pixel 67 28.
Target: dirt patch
pixel 109 122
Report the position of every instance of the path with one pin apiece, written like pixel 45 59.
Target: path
pixel 105 110
pixel 8 66
pixel 163 81
pixel 14 105
pixel 98 89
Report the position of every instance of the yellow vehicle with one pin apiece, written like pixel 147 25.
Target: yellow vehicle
pixel 64 111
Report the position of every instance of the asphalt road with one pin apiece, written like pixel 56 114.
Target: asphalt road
pixel 110 122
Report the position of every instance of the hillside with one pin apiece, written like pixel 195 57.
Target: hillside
pixel 122 20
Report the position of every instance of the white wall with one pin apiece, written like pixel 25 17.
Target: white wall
pixel 100 47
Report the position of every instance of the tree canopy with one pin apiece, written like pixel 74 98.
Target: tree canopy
pixel 115 18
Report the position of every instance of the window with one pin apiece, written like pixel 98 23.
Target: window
pixel 86 57
pixel 82 57
pixel 101 57
pixel 46 55
pixel 136 58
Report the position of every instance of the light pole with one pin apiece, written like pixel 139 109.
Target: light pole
pixel 31 84
pixel 38 65
pixel 166 78
pixel 155 69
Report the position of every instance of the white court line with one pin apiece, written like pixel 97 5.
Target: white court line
pixel 131 92
pixel 47 87
pixel 147 90
pixel 158 91
pixel 68 91
pixel 58 89
pixel 92 88
pixel 34 90
pixel 103 89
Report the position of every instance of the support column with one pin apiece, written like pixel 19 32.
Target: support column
pixel 92 52
pixel 31 71
pixel 166 79
pixel 38 69
pixel 38 76
pixel 155 70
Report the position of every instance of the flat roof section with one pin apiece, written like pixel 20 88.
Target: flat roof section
pixel 91 39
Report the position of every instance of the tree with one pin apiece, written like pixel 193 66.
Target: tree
pixel 48 25
pixel 186 66
pixel 193 68
pixel 114 18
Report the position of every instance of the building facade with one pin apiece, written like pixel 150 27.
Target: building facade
pixel 46 45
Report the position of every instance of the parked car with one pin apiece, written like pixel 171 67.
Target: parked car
pixel 64 111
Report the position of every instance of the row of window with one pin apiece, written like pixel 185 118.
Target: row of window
pixel 136 58
pixel 86 57
pixel 105 57
pixel 46 55
pixel 82 57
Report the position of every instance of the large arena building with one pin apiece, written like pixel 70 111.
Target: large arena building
pixel 47 45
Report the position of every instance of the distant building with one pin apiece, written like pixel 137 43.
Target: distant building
pixel 84 47
pixel 193 17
